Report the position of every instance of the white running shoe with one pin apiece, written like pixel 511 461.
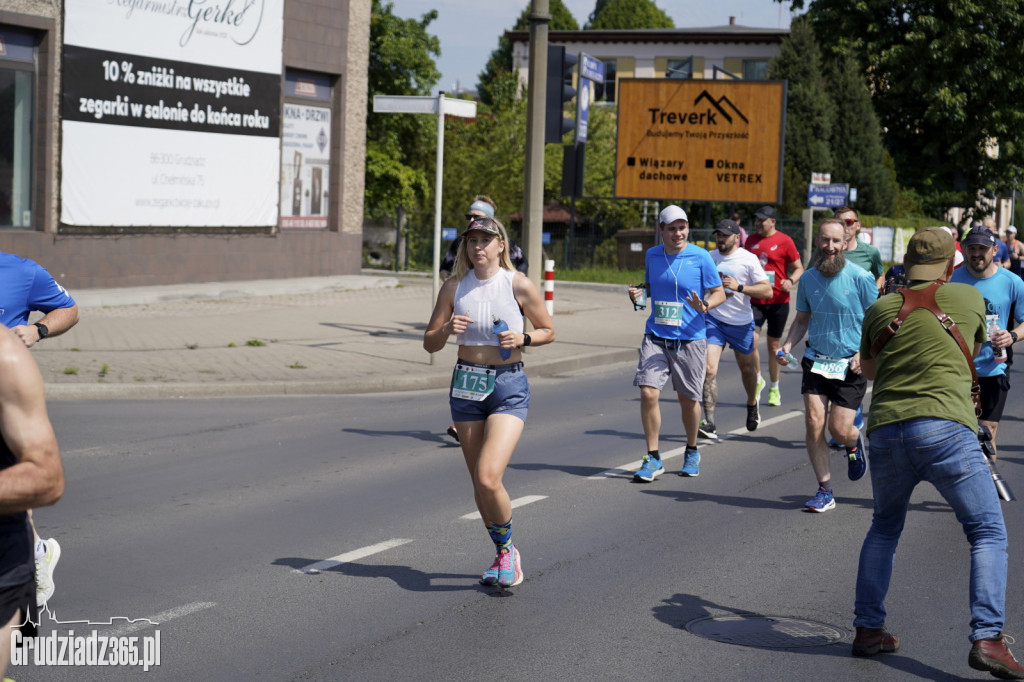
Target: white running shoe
pixel 44 571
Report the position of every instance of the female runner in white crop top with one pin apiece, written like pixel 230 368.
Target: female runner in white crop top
pixel 489 394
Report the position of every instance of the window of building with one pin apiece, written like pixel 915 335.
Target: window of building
pixel 605 92
pixel 679 68
pixel 755 69
pixel 17 92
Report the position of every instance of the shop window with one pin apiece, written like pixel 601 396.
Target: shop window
pixel 17 93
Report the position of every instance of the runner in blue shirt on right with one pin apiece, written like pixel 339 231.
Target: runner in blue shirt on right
pixel 830 305
pixel 1003 292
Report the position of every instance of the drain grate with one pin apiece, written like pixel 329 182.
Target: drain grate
pixel 767 632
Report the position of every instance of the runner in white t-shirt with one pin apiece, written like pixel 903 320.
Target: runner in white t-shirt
pixel 733 322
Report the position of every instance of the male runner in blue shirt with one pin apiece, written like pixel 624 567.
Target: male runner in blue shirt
pixel 1003 292
pixel 683 285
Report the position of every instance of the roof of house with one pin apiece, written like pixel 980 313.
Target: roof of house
pixel 711 34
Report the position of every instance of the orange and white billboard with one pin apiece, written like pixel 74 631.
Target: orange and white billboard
pixel 700 140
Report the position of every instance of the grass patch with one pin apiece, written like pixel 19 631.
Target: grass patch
pixel 255 342
pixel 104 369
pixel 606 275
pixel 232 345
pixel 71 370
pixel 296 365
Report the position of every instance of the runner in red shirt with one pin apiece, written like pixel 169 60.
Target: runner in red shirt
pixel 781 261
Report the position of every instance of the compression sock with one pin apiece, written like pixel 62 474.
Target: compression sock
pixel 501 534
pixel 654 454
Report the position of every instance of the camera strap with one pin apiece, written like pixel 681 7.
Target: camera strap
pixel 925 298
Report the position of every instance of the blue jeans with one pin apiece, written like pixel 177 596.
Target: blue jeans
pixel 947 455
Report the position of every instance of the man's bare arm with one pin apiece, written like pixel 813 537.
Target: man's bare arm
pixel 56 322
pixel 37 477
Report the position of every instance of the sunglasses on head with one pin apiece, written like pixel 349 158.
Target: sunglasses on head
pixel 480 220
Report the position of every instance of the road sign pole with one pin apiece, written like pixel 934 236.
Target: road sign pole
pixel 415 104
pixel 438 182
pixel 533 196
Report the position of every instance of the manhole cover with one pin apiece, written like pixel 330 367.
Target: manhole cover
pixel 769 632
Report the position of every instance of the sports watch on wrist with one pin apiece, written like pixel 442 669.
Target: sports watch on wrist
pixel 43 331
pixel 1013 335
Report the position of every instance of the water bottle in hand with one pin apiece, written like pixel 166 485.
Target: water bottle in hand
pixel 787 357
pixel 499 327
pixel 998 354
pixel 641 299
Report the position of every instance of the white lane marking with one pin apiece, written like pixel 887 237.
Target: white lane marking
pixel 767 422
pixel 354 555
pixel 515 503
pixel 630 468
pixel 160 618
pixel 627 470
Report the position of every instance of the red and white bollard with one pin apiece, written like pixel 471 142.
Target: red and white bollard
pixel 549 286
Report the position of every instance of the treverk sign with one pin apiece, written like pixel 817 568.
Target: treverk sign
pixel 700 140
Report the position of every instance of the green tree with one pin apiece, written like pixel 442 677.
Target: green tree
pixel 810 113
pixel 857 151
pixel 946 84
pixel 485 155
pixel 499 67
pixel 624 14
pixel 610 215
pixel 399 158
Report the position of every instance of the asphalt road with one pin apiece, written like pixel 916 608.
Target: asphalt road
pixel 210 517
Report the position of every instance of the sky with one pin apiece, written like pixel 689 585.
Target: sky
pixel 469 29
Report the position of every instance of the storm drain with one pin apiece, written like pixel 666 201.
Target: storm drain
pixel 768 632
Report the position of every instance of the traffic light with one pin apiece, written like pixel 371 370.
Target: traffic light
pixel 560 91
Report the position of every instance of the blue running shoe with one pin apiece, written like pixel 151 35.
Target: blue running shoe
pixel 510 567
pixel 858 464
pixel 691 465
pixel 858 419
pixel 822 502
pixel 649 471
pixel 490 576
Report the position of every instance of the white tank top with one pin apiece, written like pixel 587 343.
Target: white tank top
pixel 483 300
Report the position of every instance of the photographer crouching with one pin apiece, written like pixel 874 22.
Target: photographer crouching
pixel 923 426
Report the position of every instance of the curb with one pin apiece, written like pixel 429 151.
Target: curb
pixel 308 388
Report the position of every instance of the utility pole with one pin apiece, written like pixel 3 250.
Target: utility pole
pixel 533 211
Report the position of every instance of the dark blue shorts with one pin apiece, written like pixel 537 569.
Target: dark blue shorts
pixel 739 336
pixel 511 394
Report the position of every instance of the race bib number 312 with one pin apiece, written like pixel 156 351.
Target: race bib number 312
pixel 668 313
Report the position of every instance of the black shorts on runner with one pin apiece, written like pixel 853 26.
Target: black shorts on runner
pixel 847 392
pixel 18 598
pixel 775 314
pixel 993 396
